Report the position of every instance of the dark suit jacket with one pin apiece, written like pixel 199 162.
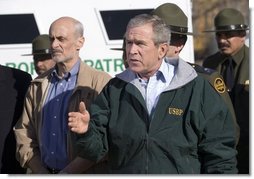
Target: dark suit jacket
pixel 13 86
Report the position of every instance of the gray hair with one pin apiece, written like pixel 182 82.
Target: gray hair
pixel 79 27
pixel 160 29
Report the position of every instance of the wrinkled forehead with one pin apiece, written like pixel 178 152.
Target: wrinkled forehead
pixel 61 27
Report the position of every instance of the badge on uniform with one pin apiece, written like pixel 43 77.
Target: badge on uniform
pixel 219 85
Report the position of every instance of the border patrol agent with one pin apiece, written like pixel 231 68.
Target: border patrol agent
pixel 232 61
pixel 41 54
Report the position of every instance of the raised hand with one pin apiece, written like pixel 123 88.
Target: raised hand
pixel 78 121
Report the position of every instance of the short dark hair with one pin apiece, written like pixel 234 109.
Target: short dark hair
pixel 176 38
pixel 161 32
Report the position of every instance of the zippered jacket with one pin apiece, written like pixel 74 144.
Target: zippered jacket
pixel 191 131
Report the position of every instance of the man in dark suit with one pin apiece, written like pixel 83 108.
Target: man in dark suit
pixel 13 86
pixel 232 62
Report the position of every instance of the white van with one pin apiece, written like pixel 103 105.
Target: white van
pixel 104 24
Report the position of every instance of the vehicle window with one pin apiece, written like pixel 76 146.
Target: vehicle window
pixel 11 25
pixel 115 21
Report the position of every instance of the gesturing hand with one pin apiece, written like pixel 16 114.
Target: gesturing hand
pixel 79 121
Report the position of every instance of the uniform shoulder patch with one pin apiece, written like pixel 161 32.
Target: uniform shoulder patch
pixel 219 85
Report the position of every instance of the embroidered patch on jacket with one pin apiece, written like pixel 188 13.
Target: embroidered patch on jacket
pixel 175 111
pixel 219 85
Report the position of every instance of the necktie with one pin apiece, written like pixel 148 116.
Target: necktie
pixel 230 73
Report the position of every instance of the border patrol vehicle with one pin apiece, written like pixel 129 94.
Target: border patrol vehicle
pixel 104 26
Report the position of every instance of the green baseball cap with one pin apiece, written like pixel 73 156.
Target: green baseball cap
pixel 229 19
pixel 174 17
pixel 40 45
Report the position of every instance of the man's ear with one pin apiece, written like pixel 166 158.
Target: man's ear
pixel 80 42
pixel 163 49
pixel 179 48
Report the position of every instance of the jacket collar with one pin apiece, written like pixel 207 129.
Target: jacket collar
pixel 184 73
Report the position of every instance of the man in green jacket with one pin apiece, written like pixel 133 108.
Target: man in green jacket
pixel 177 21
pixel 232 62
pixel 155 117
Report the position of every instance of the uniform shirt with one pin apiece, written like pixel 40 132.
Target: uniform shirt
pixel 152 88
pixel 54 125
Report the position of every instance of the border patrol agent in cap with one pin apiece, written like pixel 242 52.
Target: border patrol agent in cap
pixel 232 62
pixel 229 20
pixel 41 54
